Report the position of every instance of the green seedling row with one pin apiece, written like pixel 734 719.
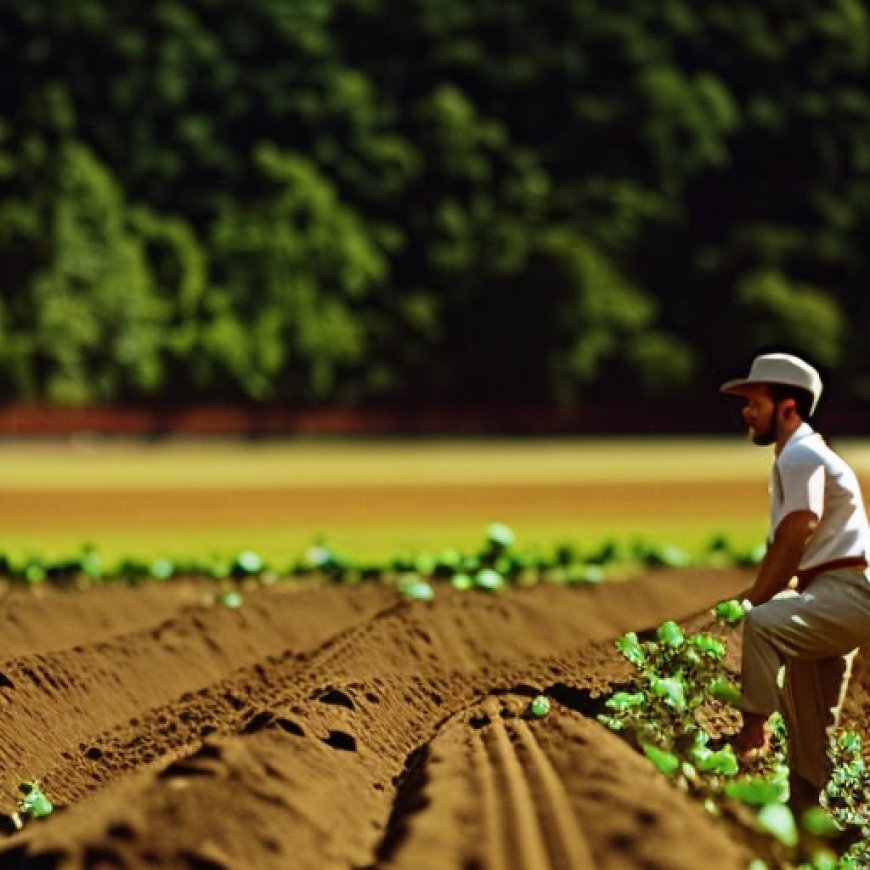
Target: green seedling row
pixel 496 563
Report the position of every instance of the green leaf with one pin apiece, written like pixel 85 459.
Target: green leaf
pixel 578 574
pixel 826 860
pixel 670 634
pixel 802 314
pixel 34 803
pixel 162 569
pixel 756 791
pixel 672 690
pixel 723 762
pixel 630 647
pixel 666 762
pixel 850 741
pixel 540 706
pixel 500 535
pixel 249 562
pixel 625 700
pixel 647 356
pixel 709 645
pixel 777 820
pixel 233 600
pixel 412 586
pixel 725 690
pixel 730 612
pixel 462 581
pixel 818 821
pixel 421 591
pixel 489 580
pixel 610 722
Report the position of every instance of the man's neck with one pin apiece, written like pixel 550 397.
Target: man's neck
pixel 786 430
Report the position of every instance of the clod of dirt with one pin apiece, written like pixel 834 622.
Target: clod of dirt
pixel 257 722
pixel 290 726
pixel 341 740
pixel 338 698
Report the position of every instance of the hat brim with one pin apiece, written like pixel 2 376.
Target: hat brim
pixel 740 386
pixel 744 387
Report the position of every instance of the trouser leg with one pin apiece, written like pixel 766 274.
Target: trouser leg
pixel 825 622
pixel 815 634
pixel 761 662
pixel 811 699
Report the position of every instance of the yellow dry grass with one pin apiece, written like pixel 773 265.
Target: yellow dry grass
pixel 376 497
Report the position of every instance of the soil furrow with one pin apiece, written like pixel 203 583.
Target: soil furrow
pixel 395 739
pixel 155 688
pixel 528 849
pixel 567 845
pixel 44 619
pixel 495 833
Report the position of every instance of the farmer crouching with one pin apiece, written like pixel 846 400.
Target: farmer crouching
pixel 818 534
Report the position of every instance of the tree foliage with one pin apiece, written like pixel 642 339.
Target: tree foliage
pixel 439 200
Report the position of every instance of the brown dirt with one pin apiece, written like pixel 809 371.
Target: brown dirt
pixel 77 509
pixel 320 726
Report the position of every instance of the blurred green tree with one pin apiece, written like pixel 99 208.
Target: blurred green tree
pixel 311 260
pixel 88 325
pixel 779 311
pixel 348 200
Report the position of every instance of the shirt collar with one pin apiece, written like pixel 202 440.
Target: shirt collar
pixel 802 431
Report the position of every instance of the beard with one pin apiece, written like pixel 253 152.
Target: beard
pixel 766 436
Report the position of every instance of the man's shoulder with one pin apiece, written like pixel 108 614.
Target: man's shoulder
pixel 810 449
pixel 812 452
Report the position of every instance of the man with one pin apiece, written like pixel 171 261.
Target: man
pixel 819 535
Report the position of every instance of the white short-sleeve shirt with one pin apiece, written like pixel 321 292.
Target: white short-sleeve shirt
pixel 808 475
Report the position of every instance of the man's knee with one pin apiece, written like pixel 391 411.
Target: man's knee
pixel 773 615
pixel 759 621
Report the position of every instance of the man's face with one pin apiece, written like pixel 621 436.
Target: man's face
pixel 760 416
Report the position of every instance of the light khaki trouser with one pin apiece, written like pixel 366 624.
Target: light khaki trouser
pixel 814 634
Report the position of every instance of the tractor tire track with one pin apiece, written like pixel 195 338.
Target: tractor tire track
pixel 568 846
pixel 560 793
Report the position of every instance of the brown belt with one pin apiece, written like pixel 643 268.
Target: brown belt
pixel 806 576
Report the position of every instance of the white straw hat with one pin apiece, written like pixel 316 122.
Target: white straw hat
pixel 778 368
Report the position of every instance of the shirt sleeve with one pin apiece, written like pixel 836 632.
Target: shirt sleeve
pixel 803 487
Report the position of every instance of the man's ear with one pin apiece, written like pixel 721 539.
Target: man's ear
pixel 789 409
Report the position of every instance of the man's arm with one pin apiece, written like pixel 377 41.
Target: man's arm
pixel 783 556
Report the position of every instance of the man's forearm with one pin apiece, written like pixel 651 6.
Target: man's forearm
pixel 783 556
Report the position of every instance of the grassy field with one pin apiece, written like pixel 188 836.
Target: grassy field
pixel 373 498
pixel 90 463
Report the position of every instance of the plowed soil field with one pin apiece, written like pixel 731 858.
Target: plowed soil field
pixel 320 726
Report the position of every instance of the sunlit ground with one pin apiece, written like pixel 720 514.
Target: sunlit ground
pixel 359 492
pixel 101 463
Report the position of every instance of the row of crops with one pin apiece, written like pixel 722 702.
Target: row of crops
pixel 496 563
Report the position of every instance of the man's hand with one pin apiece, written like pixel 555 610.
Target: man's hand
pixel 783 556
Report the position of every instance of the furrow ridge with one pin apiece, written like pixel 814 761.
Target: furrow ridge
pixel 573 848
pixel 520 812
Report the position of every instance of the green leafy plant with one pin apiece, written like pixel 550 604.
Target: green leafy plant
pixel 539 706
pixel 677 675
pixel 730 612
pixel 414 587
pixel 34 803
pixel 847 795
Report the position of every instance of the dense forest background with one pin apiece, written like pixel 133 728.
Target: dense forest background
pixel 309 202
